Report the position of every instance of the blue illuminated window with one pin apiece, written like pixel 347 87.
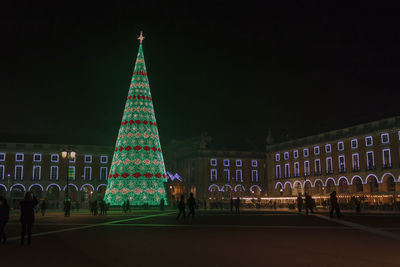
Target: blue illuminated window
pixel 213 162
pixel 19 157
pixel 54 158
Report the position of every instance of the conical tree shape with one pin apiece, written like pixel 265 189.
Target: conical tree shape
pixel 137 170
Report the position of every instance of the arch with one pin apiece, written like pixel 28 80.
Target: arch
pixel 73 185
pixel 356 176
pixel 56 185
pixel 316 180
pixel 251 188
pixel 330 178
pixel 276 185
pixel 11 188
pixel 238 186
pixel 309 181
pixel 226 185
pixel 5 187
pixel 284 186
pixel 213 185
pixel 32 185
pixel 388 173
pixel 297 182
pixel 98 187
pixel 341 178
pixel 373 175
pixel 91 186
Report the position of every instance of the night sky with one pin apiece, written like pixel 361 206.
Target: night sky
pixel 231 71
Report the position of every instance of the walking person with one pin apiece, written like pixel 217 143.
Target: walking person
pixel 192 205
pixel 95 208
pixel 299 203
pixel 128 206
pixel 309 203
pixel 67 207
pixel 334 205
pixel 162 202
pixel 231 205
pixel 237 204
pixel 27 215
pixel 4 216
pixel 43 207
pixel 181 207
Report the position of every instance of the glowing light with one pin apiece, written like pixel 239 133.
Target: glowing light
pixel 50 185
pixel 137 171
pixel 11 188
pixel 32 185
pixel 89 185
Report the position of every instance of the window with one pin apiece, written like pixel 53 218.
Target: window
pixel 386 159
pixel 2 172
pixel 54 158
pixel 286 155
pixel 88 158
pixel 103 159
pixel 2 156
pixel 317 166
pixel 254 163
pixel 296 154
pixel 87 173
pixel 213 162
pixel 277 157
pixel 329 168
pixel 278 171
pixel 328 148
pixel 342 166
pixel 287 170
pixel 226 175
pixel 36 172
pixel 340 146
pixel 316 150
pixel 238 163
pixel 72 160
pixel 385 138
pixel 305 152
pixel 355 162
pixel 368 141
pixel 213 175
pixel 226 162
pixel 103 173
pixel 19 157
pixel 239 176
pixel 354 143
pixel 254 175
pixel 306 168
pixel 37 157
pixel 296 169
pixel 19 169
pixel 370 160
pixel 54 173
pixel 71 172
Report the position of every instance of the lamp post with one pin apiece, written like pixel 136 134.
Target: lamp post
pixel 68 155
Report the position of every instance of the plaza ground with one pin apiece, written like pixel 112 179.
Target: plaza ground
pixel 213 238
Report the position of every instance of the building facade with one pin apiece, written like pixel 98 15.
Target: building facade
pixel 363 160
pixel 40 168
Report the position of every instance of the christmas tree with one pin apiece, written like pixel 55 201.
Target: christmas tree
pixel 137 170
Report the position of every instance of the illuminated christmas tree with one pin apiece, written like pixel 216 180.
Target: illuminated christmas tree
pixel 137 170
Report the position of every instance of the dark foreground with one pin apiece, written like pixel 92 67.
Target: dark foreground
pixel 252 238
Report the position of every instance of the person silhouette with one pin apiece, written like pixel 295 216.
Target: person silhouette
pixel 231 204
pixel 181 207
pixel 162 202
pixel 43 207
pixel 309 203
pixel 27 215
pixel 299 203
pixel 237 204
pixel 334 205
pixel 192 205
pixel 4 216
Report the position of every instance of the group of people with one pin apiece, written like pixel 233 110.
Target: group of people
pixel 27 206
pixel 191 203
pixel 310 204
pixel 95 205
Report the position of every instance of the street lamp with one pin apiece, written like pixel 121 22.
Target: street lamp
pixel 69 155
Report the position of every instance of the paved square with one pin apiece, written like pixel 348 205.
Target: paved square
pixel 213 238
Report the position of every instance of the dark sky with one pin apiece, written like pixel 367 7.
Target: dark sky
pixel 231 71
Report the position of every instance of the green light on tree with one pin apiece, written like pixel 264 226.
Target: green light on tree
pixel 137 170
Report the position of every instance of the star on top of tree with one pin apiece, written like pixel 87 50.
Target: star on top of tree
pixel 141 37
